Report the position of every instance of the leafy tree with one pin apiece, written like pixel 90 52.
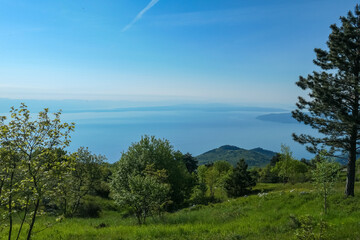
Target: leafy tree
pixel 255 173
pixel 224 170
pixel 334 93
pixel 284 166
pixel 190 162
pixel 145 192
pixel 87 176
pixel 288 168
pixel 222 166
pixel 299 173
pixel 30 161
pixel 199 191
pixel 267 174
pixel 215 176
pixel 240 181
pixel 201 172
pixel 160 155
pixel 211 179
pixel 324 176
pixel 275 159
pixel 181 181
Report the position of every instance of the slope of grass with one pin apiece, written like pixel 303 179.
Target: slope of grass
pixel 274 213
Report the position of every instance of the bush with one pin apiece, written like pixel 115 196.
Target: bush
pixel 89 209
pixel 104 203
pixel 310 229
pixel 103 190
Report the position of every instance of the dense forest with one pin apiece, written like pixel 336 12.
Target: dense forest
pixel 157 192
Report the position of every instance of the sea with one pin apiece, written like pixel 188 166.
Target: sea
pixel 189 128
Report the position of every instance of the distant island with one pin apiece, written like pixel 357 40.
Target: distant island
pixel 277 117
pixel 256 157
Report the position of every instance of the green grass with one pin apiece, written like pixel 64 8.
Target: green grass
pixel 270 216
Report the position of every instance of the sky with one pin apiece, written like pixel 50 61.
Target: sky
pixel 247 52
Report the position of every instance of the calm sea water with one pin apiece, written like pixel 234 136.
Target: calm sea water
pixel 111 133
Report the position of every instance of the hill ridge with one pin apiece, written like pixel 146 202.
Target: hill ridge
pixel 256 157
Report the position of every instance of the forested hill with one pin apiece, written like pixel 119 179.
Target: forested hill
pixel 255 157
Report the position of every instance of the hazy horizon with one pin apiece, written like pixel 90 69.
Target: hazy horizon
pixel 110 128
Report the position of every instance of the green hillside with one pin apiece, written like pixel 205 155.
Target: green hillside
pixel 256 157
pixel 279 211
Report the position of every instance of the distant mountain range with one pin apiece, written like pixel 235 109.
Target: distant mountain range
pixel 256 157
pixel 80 106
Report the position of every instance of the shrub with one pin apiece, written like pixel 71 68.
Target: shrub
pixel 89 209
pixel 310 229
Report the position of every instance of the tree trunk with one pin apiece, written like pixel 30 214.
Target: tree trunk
pixel 24 218
pixel 350 180
pixel 2 184
pixel 33 219
pixel 10 218
pixel 325 202
pixel 10 204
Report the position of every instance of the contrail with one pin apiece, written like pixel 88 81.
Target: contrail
pixel 140 14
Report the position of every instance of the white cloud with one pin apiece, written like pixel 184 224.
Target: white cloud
pixel 140 14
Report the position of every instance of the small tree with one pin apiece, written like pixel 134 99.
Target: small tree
pixel 30 161
pixel 240 181
pixel 200 189
pixel 283 167
pixel 215 176
pixel 211 179
pixel 288 168
pixel 267 175
pixel 87 175
pixel 190 162
pixel 145 193
pixel 324 176
pixel 158 156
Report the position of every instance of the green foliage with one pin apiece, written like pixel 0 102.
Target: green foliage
pixel 145 193
pixel 275 159
pixel 214 177
pixel 151 164
pixel 181 182
pixel 89 209
pixel 32 163
pixel 211 181
pixel 334 98
pixel 198 195
pixel 289 169
pixel 268 175
pixel 190 162
pixel 240 181
pixel 307 229
pixel 324 176
pixel 88 176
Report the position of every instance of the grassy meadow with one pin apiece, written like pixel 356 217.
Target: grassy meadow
pixel 274 211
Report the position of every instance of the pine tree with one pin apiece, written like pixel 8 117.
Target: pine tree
pixel 190 162
pixel 240 181
pixel 334 93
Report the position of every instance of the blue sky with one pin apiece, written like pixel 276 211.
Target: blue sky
pixel 227 51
